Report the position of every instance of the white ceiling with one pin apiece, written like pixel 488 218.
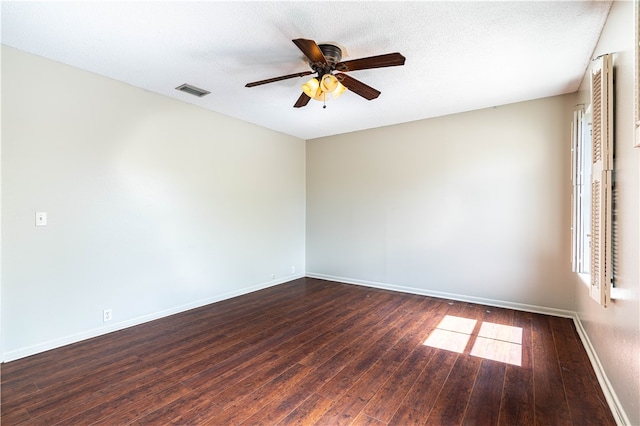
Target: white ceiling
pixel 460 55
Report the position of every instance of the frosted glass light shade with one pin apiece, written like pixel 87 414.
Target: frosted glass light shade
pixel 329 83
pixel 339 90
pixel 311 88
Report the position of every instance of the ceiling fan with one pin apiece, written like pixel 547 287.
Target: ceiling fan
pixel 325 59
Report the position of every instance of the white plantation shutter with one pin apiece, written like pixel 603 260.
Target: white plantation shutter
pixel 601 174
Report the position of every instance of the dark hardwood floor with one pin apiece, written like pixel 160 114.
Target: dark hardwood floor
pixel 316 352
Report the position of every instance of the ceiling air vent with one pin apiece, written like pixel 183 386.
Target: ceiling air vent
pixel 192 90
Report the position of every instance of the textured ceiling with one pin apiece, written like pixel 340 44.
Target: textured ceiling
pixel 460 55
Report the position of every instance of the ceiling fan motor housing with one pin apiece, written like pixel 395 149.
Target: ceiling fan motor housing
pixel 333 55
pixel 331 52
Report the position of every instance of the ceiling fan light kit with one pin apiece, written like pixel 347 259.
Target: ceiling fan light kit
pixel 325 59
pixel 328 85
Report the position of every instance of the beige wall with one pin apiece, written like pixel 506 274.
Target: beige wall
pixel 154 205
pixel 474 204
pixel 614 332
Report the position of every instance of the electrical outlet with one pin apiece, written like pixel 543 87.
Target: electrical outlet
pixel 273 276
pixel 106 315
pixel 293 269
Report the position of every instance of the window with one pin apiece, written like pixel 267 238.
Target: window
pixel 592 176
pixel 581 199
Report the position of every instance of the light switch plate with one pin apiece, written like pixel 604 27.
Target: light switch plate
pixel 41 219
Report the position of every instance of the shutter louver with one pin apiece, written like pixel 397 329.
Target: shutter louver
pixel 596 191
pixel 615 234
pixel 601 197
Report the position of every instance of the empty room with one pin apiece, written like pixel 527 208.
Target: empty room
pixel 329 213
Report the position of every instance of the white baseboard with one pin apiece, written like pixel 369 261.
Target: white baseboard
pixel 450 296
pixel 74 338
pixel 618 412
pixel 612 400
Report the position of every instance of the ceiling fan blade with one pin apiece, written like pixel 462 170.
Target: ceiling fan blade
pixel 358 87
pixel 311 50
pixel 284 77
pixel 380 61
pixel 303 100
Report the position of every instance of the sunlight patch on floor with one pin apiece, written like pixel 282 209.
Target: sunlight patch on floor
pixel 457 324
pixel 452 334
pixel 448 340
pixel 497 342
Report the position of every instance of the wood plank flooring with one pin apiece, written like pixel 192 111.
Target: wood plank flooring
pixel 316 352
